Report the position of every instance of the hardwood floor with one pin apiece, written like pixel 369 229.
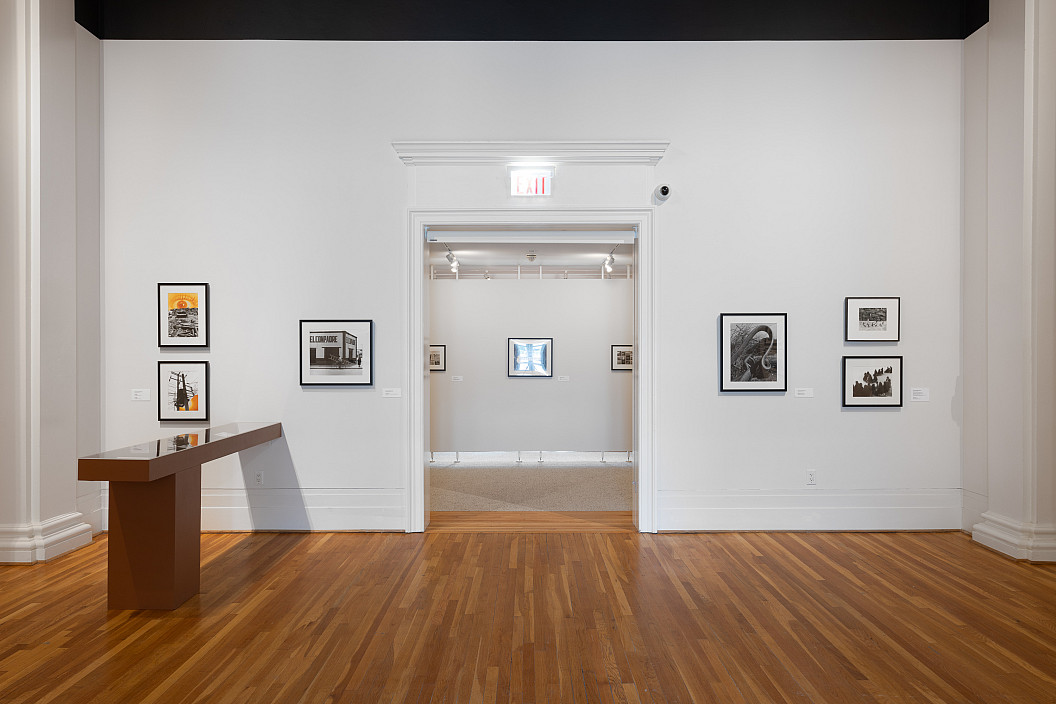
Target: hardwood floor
pixel 530 522
pixel 545 617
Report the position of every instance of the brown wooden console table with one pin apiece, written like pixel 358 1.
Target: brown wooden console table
pixel 155 519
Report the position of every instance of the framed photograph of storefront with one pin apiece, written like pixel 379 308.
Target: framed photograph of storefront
pixel 183 315
pixel 530 357
pixel 872 381
pixel 753 350
pixel 622 358
pixel 183 391
pixel 337 352
pixel 872 319
pixel 437 358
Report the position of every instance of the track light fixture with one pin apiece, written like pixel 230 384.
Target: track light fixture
pixel 609 261
pixel 452 259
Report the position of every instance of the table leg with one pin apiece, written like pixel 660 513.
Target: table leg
pixel 155 548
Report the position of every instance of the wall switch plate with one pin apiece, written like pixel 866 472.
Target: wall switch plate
pixel 804 392
pixel 391 393
pixel 562 378
pixel 140 394
pixel 456 378
pixel 258 477
pixel 812 477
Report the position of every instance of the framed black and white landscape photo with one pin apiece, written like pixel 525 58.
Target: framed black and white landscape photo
pixel 183 315
pixel 872 381
pixel 753 350
pixel 871 319
pixel 183 391
pixel 622 357
pixel 530 356
pixel 437 358
pixel 337 352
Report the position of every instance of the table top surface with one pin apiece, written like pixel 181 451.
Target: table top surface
pixel 151 460
pixel 177 443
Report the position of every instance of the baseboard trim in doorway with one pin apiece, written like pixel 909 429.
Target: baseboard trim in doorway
pixel 531 522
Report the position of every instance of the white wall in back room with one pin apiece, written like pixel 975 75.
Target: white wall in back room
pixel 802 172
pixel 488 410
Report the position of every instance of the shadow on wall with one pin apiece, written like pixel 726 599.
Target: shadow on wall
pixel 275 501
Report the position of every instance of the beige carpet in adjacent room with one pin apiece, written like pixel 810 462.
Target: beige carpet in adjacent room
pixel 564 481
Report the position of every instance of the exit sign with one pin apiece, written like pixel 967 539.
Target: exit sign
pixel 531 182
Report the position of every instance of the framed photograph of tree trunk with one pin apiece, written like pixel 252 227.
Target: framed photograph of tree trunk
pixel 872 381
pixel 183 315
pixel 753 350
pixel 183 391
pixel 872 319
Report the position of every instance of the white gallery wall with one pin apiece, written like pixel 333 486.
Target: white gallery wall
pixel 801 172
pixel 585 405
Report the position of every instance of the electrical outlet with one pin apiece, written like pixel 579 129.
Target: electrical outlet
pixel 259 476
pixel 812 477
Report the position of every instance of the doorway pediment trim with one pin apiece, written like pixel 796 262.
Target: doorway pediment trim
pixel 623 152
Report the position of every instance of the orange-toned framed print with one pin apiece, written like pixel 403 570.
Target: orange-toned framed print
pixel 183 315
pixel 183 391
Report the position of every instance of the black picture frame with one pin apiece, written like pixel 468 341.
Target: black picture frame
pixel 753 352
pixel 534 356
pixel 183 390
pixel 861 381
pixel 437 358
pixel 183 315
pixel 621 358
pixel 872 319
pixel 336 352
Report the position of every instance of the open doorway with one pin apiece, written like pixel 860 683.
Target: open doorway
pixel 535 226
pixel 531 373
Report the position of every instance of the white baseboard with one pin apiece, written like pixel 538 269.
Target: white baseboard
pixel 911 509
pixel 304 509
pixel 1022 541
pixel 93 506
pixel 973 507
pixel 34 542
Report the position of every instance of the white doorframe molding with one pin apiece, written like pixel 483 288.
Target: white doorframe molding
pixel 646 447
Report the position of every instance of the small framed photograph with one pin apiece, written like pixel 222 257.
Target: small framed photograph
pixel 183 315
pixel 622 357
pixel 438 358
pixel 753 350
pixel 871 319
pixel 337 352
pixel 183 391
pixel 530 356
pixel 872 381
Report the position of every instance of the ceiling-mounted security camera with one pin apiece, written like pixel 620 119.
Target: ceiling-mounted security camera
pixel 662 192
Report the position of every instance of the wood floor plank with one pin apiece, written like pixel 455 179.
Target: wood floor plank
pixel 533 615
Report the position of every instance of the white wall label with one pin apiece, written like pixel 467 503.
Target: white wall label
pixel 562 378
pixel 391 393
pixel 456 378
pixel 140 394
pixel 804 392
pixel 919 394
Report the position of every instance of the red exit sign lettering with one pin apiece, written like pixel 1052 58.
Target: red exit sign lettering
pixel 531 182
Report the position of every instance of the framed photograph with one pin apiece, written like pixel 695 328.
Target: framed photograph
pixel 871 319
pixel 183 391
pixel 337 352
pixel 183 315
pixel 530 356
pixel 872 381
pixel 438 358
pixel 753 350
pixel 622 357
